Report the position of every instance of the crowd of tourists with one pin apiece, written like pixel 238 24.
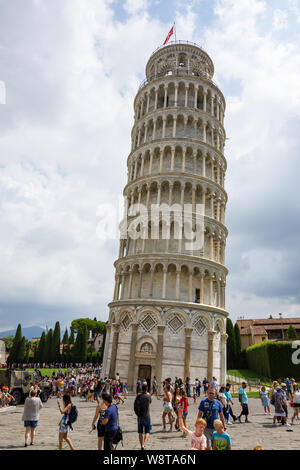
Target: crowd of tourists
pixel 214 402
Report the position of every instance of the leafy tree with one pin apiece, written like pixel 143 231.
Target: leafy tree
pixel 291 332
pixel 231 346
pixel 93 326
pixel 9 341
pixel 238 344
pixel 101 352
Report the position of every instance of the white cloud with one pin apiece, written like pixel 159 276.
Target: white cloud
pixel 280 19
pixel 134 6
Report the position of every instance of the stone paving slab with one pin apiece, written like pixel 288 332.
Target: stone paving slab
pixel 244 436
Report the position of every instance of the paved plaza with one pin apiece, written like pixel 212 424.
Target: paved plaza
pixel 244 436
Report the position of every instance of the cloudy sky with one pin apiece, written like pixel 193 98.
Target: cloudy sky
pixel 71 70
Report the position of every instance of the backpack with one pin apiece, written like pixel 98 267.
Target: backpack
pixel 137 406
pixel 73 416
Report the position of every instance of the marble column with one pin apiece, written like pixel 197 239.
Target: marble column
pixel 106 347
pixel 159 355
pixel 223 358
pixel 113 356
pixel 187 357
pixel 131 364
pixel 210 355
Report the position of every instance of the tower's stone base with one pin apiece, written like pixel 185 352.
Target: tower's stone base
pixel 165 339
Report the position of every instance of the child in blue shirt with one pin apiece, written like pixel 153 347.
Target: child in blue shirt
pixel 220 439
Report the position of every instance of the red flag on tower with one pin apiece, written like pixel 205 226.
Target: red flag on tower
pixel 169 35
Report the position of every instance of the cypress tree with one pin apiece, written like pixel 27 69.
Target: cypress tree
pixel 72 338
pixel 41 353
pixel 71 347
pixel 231 347
pixel 49 346
pixel 56 343
pixel 22 350
pixel 76 350
pixel 238 345
pixel 65 343
pixel 15 350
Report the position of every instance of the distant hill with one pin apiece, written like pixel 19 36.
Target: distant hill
pixel 29 332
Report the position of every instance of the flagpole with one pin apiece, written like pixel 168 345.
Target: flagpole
pixel 175 30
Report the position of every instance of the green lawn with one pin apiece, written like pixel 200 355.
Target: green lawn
pixel 249 374
pixel 48 372
pixel 249 395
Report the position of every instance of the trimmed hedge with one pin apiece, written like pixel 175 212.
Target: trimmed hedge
pixel 274 359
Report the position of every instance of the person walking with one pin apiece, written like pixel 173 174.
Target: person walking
pixel 155 388
pixel 99 415
pixel 211 409
pixel 265 400
pixel 296 403
pixel 31 414
pixel 167 407
pixel 229 404
pixel 198 387
pixel 279 407
pixel 64 426
pixel 110 421
pixel 142 410
pixel 243 399
pixel 188 387
pixel 176 404
pixel 205 384
pixel 138 385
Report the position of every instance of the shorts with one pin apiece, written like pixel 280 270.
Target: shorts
pixel 167 409
pixel 144 426
pixel 100 428
pixel 31 424
pixel 208 434
pixel 64 428
pixel 279 414
pixel 184 414
pixel 245 410
pixel 296 405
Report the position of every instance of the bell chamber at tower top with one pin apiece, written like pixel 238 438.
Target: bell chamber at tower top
pixel 179 58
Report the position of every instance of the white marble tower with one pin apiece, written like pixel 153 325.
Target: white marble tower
pixel 168 314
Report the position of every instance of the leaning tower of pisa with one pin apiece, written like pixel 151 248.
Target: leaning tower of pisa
pixel 168 316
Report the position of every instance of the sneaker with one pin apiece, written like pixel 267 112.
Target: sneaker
pixel 287 424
